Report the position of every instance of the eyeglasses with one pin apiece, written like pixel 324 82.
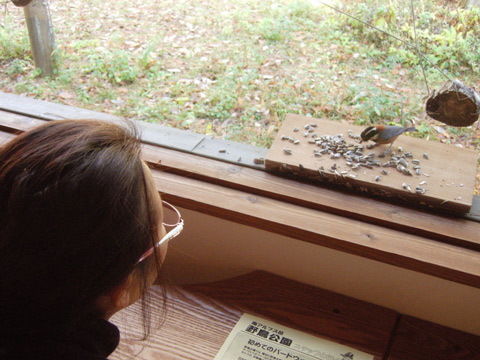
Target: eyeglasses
pixel 171 219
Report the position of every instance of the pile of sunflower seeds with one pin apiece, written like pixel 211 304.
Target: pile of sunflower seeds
pixel 356 156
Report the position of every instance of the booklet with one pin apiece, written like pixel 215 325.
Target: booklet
pixel 254 338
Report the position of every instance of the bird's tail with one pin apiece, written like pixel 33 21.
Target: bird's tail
pixel 412 128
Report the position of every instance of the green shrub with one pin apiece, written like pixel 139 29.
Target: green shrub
pixel 118 66
pixel 14 43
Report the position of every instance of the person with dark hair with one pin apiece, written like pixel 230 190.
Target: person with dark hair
pixel 83 234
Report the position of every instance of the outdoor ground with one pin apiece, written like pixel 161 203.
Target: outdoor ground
pixel 234 68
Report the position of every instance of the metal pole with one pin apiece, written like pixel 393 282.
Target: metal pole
pixel 40 31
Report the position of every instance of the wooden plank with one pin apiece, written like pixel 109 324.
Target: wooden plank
pixel 341 319
pixel 417 339
pixel 230 151
pixel 153 134
pixel 16 124
pixel 451 170
pixel 47 110
pixel 5 137
pixel 370 241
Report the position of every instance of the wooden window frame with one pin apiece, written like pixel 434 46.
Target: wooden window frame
pixel 220 178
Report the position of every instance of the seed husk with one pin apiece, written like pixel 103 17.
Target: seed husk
pixel 420 190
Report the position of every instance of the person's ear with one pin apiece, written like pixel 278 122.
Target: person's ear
pixel 117 299
pixel 120 295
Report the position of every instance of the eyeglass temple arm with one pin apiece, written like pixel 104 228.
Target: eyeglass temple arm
pixel 172 234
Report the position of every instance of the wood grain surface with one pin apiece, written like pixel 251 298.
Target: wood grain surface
pixel 416 339
pixel 198 318
pixel 448 173
pixel 188 327
pixel 345 320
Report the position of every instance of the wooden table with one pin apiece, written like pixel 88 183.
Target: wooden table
pixel 198 319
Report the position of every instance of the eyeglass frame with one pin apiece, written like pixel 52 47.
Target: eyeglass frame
pixel 178 227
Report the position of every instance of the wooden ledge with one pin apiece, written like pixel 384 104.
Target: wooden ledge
pixel 441 245
pixel 200 317
pixel 15 106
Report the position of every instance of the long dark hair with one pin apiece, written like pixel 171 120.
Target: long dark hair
pixel 75 217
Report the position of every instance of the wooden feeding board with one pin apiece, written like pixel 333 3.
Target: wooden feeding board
pixel 433 174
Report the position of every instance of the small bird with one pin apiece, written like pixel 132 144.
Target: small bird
pixel 383 134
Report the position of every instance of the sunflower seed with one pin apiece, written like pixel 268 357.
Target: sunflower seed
pixel 420 190
pixel 407 172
